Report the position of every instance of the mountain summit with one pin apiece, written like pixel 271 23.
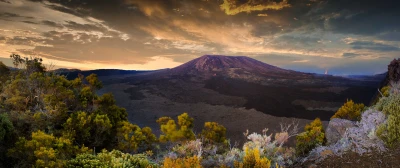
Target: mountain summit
pixel 212 65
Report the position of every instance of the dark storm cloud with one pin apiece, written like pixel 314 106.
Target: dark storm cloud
pixel 373 46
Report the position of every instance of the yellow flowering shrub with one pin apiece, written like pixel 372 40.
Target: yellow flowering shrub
pixel 252 159
pixel 350 111
pixel 188 162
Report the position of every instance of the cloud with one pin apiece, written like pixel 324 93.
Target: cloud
pixel 52 24
pixel 14 15
pixel 301 61
pixel 360 45
pixel 133 32
pixel 231 7
pixel 262 14
pixel 350 55
pixel 5 1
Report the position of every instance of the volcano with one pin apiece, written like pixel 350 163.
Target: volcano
pixel 236 91
pixel 240 67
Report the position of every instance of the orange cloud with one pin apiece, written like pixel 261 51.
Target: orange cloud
pixel 232 8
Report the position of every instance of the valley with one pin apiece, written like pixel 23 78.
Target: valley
pixel 245 99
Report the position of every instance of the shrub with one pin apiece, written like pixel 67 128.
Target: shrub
pixel 113 159
pixel 312 137
pixel 350 111
pixel 385 91
pixel 381 103
pixel 271 146
pixel 252 159
pixel 213 132
pixel 130 137
pixel 188 162
pixel 171 132
pixel 390 131
pixel 44 150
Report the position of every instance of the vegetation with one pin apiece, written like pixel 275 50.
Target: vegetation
pixel 191 162
pixel 213 132
pixel 390 131
pixel 47 120
pixel 313 136
pixel 253 159
pixel 172 132
pixel 113 159
pixel 350 111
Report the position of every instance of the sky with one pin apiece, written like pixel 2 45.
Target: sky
pixel 341 36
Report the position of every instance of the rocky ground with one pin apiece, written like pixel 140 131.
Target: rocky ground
pixel 389 159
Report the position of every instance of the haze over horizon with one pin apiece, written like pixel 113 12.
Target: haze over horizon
pixel 338 36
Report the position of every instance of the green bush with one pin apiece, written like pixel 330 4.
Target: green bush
pixel 385 91
pixel 113 159
pixel 390 131
pixel 313 136
pixel 173 132
pixel 214 132
pixel 381 103
pixel 350 111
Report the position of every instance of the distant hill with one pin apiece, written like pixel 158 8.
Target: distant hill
pixel 73 73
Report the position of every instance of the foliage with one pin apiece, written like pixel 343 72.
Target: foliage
pixel 385 91
pixel 4 74
pixel 390 131
pixel 349 111
pixel 130 137
pixel 106 106
pixel 188 162
pixel 113 159
pixel 271 146
pixel 252 159
pixel 44 150
pixel 313 136
pixel 214 132
pixel 6 128
pixel 381 103
pixel 89 129
pixel 172 132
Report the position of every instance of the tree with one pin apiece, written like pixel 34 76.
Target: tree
pixel 6 128
pixel 106 105
pixel 350 111
pixel 4 74
pixel 92 130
